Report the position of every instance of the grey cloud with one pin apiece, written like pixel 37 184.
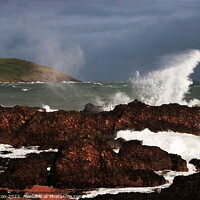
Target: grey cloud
pixel 114 38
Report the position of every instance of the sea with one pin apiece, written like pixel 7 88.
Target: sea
pixel 75 95
pixel 169 84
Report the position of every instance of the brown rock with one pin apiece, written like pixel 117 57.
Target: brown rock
pixel 89 163
pixel 134 155
pixel 91 108
pixel 11 120
pixel 183 188
pixel 25 126
pixel 25 172
pixel 196 163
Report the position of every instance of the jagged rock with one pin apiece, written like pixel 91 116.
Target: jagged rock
pixel 120 140
pixel 91 108
pixel 114 144
pixel 196 163
pixel 23 126
pixel 89 163
pixel 11 121
pixel 134 155
pixel 50 129
pixel 173 117
pixel 25 172
pixel 183 188
pixel 188 184
pixel 178 164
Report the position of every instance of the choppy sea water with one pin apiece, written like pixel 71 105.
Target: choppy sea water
pixel 169 84
pixel 74 96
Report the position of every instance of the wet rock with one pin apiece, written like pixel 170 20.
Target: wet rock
pixel 25 172
pixel 196 163
pixel 175 117
pixel 186 184
pixel 23 126
pixel 134 155
pixel 183 188
pixel 11 120
pixel 114 144
pixel 178 164
pixel 50 129
pixel 56 127
pixel 91 108
pixel 90 163
pixel 121 140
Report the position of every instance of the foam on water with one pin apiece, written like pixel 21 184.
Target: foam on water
pixel 183 144
pixel 102 191
pixel 11 152
pixel 48 109
pixel 186 145
pixel 25 89
pixel 170 84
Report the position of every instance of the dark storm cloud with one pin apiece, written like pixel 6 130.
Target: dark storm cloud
pixel 98 39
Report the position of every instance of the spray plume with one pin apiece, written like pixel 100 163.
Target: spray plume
pixel 168 85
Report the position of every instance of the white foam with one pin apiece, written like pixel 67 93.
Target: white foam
pixel 169 176
pixel 48 109
pixel 20 152
pixel 183 144
pixel 168 85
pixel 118 98
pixel 25 89
pixel 186 145
pixel 102 191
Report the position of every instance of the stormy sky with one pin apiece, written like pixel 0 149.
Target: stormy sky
pixel 102 40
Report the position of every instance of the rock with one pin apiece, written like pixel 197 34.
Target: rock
pixel 25 172
pixel 186 184
pixel 134 155
pixel 91 163
pixel 174 117
pixel 11 120
pixel 114 144
pixel 49 130
pixel 196 163
pixel 183 188
pixel 178 164
pixel 91 108
pixel 23 126
pixel 120 140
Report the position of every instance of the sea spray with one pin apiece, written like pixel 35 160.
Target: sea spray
pixel 170 84
pixel 118 98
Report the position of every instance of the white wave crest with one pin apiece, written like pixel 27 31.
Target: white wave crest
pixel 118 98
pixel 168 85
pixel 48 109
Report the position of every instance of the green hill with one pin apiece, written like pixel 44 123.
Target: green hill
pixel 16 70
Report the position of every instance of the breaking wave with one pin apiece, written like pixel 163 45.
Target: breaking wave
pixel 170 84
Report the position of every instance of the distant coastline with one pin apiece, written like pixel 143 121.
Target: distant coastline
pixel 17 70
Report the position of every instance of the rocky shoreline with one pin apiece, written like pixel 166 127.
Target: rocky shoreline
pixel 25 126
pixel 85 143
